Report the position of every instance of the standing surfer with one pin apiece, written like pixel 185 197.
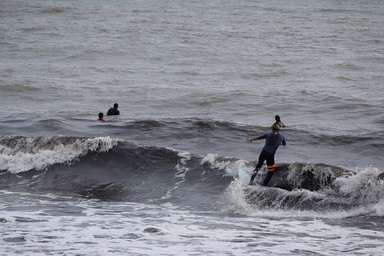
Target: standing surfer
pixel 272 142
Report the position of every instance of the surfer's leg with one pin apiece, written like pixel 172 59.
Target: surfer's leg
pixel 253 176
pixel 270 168
pixel 267 178
pixel 258 166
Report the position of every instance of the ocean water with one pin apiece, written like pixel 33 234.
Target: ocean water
pixel 194 80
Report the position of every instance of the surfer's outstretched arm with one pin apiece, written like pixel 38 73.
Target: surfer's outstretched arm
pixel 253 138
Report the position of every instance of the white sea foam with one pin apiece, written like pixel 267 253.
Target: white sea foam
pixel 32 153
pixel 319 65
pixel 102 228
pixel 364 187
pixel 229 165
pixel 181 171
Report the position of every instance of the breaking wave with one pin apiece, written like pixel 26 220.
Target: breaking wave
pixel 104 168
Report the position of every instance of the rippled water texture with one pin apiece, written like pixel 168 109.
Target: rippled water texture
pixel 193 79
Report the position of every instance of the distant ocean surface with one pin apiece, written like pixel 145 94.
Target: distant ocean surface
pixel 193 80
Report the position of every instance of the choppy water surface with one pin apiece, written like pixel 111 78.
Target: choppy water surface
pixel 193 81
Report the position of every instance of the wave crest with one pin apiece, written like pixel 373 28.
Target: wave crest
pixel 19 154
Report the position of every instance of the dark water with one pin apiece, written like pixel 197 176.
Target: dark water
pixel 120 170
pixel 193 80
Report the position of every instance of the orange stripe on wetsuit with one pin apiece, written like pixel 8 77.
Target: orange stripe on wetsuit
pixel 270 168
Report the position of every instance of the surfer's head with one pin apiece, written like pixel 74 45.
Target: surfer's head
pixel 275 127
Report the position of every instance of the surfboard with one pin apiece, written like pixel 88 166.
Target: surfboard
pixel 244 176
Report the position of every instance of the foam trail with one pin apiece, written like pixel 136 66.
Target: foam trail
pixel 181 172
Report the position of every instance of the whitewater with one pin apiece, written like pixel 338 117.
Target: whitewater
pixel 193 80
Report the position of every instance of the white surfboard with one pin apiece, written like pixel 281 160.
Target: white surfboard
pixel 244 176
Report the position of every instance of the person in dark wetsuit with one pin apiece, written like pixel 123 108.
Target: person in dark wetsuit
pixel 272 142
pixel 278 121
pixel 113 111
pixel 101 117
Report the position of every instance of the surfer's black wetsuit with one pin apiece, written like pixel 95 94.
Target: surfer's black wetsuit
pixel 113 112
pixel 272 143
pixel 278 121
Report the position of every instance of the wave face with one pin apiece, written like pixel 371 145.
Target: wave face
pixel 119 170
pixel 203 136
pixel 107 169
